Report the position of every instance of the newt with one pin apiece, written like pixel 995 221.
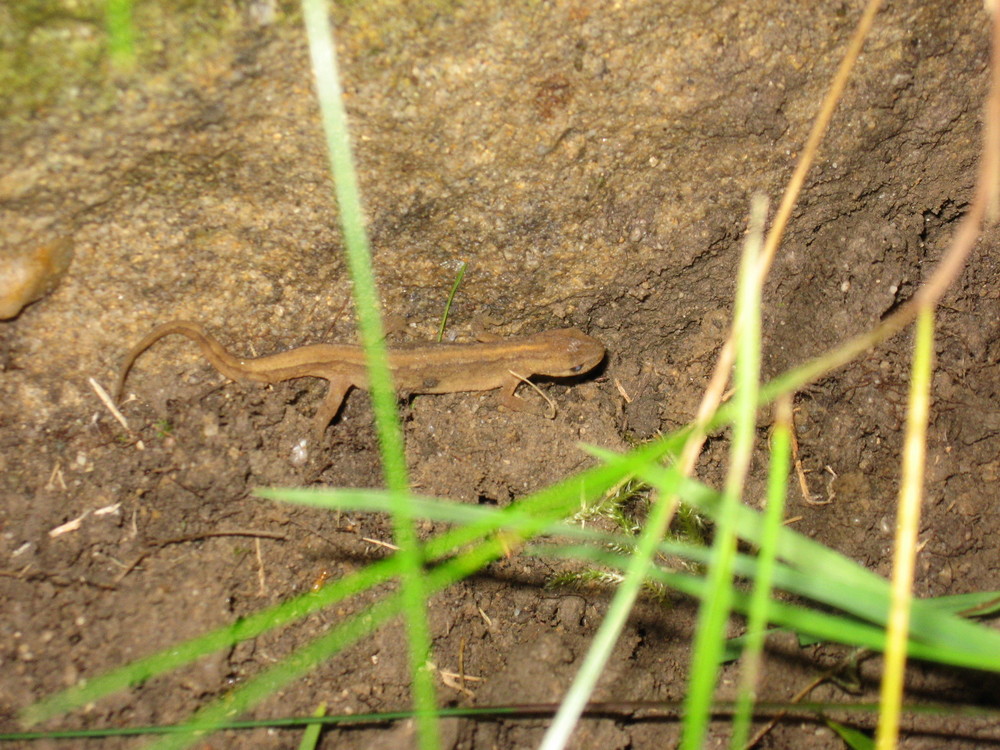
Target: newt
pixel 428 368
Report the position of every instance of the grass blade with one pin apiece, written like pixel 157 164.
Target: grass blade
pixel 310 737
pixel 709 640
pixel 777 485
pixel 121 33
pixel 907 529
pixel 451 297
pixel 324 63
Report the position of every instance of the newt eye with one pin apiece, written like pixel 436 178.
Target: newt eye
pixel 577 368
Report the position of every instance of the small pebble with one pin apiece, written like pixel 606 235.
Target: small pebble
pixel 30 273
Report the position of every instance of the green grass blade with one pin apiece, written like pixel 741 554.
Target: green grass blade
pixel 310 737
pixel 976 603
pixel 324 63
pixel 451 297
pixel 379 501
pixel 121 32
pixel 358 250
pixel 853 738
pixel 709 642
pixel 777 486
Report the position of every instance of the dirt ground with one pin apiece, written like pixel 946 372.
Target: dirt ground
pixel 593 163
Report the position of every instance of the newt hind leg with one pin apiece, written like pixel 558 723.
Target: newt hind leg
pixel 330 406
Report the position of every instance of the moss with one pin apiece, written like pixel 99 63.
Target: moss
pixel 77 55
pixel 47 48
pixel 59 54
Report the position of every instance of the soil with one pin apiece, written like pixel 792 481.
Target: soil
pixel 593 163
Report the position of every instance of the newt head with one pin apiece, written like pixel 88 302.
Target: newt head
pixel 566 352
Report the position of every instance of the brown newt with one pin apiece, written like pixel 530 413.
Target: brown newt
pixel 432 368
